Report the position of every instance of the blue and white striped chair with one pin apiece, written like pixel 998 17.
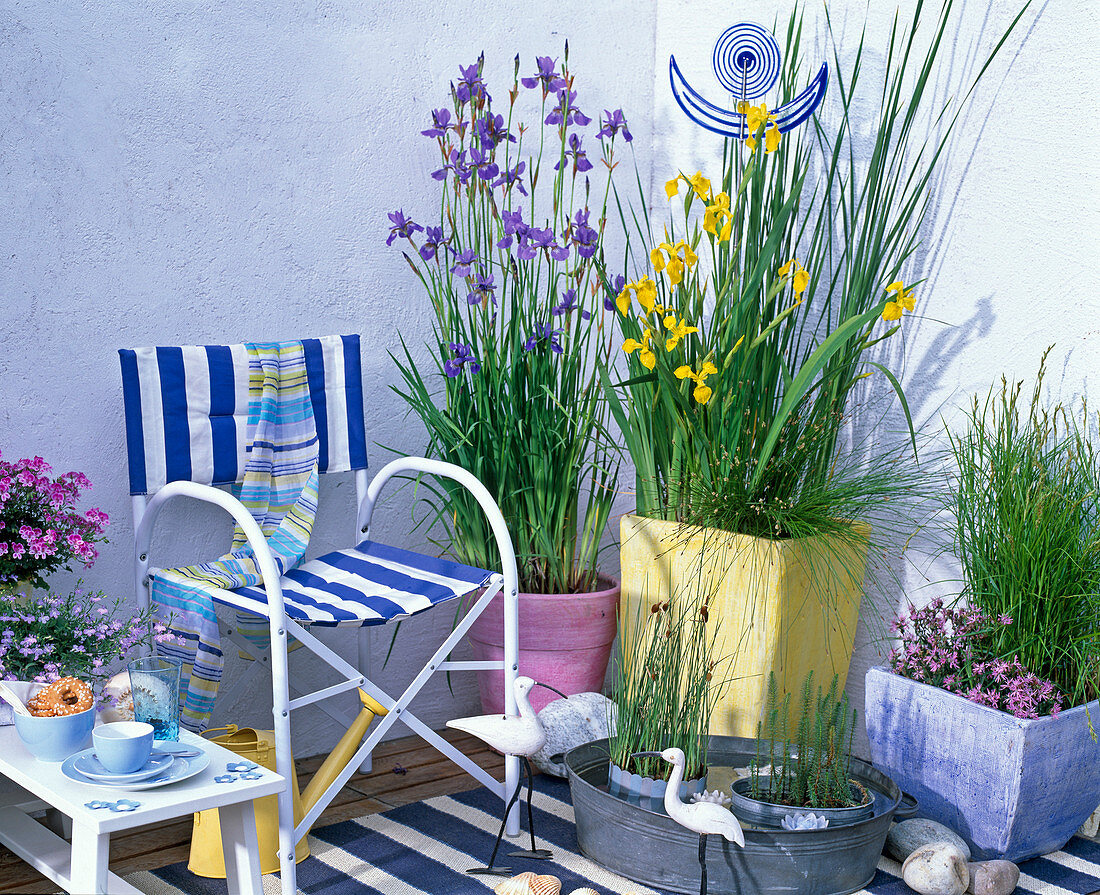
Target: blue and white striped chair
pixel 186 430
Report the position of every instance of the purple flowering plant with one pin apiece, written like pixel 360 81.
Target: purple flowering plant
pixel 509 263
pixel 40 528
pixel 953 648
pixel 80 634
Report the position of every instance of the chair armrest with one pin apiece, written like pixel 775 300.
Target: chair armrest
pixel 207 494
pixel 471 483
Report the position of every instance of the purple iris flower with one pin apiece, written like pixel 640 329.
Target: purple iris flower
pixel 491 131
pixel 508 179
pixel 585 238
pixel 525 250
pixel 470 85
pixel 546 75
pixel 617 285
pixel 567 110
pixel 513 227
pixel 432 243
pixel 456 164
pixel 483 288
pixel 402 226
pixel 441 123
pixel 569 304
pixel 463 262
pixel 612 124
pixel 580 157
pixel 486 168
pixel 463 354
pixel 544 333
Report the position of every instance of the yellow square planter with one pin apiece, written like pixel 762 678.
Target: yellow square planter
pixel 784 606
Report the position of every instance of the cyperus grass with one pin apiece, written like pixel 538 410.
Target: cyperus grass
pixel 1025 508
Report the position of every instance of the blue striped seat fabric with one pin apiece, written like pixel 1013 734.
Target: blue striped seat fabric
pixel 371 584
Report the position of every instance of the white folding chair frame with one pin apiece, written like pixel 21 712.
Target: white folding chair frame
pixel 145 517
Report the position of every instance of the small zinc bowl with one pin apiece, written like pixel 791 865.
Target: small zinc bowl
pixel 55 738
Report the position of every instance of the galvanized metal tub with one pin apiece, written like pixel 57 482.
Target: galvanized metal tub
pixel 650 848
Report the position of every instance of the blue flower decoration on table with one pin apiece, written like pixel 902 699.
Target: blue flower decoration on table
pixel 746 62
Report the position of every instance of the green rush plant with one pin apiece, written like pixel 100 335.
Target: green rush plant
pixel 1025 508
pixel 812 770
pixel 511 392
pixel 751 319
pixel 662 688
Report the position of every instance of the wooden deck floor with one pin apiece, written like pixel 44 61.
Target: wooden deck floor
pixel 427 774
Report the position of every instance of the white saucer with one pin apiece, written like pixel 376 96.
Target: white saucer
pixel 179 769
pixel 90 766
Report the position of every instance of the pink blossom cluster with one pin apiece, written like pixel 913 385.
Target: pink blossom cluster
pixel 951 648
pixel 40 527
pixel 80 634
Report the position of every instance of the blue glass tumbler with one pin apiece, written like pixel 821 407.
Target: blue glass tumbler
pixel 155 686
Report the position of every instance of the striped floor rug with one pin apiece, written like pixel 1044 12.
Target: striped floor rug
pixel 414 850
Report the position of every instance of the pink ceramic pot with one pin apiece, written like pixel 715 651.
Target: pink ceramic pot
pixel 564 641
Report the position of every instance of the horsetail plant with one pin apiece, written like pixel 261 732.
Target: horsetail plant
pixel 812 771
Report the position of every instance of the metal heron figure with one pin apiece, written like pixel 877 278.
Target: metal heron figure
pixel 522 736
pixel 704 818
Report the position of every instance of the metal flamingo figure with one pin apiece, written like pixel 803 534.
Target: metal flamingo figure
pixel 522 736
pixel 704 818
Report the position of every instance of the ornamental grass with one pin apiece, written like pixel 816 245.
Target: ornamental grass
pixel 665 686
pixel 1025 505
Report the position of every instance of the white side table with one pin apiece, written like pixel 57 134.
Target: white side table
pixel 82 866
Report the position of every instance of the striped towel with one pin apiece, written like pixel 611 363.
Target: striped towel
pixel 279 488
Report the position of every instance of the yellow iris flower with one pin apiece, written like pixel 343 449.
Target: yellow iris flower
pixel 903 301
pixel 717 213
pixel 680 256
pixel 672 187
pixel 757 117
pixel 645 353
pixel 646 291
pixel 700 184
pixel 677 330
pixel 801 277
pixel 702 391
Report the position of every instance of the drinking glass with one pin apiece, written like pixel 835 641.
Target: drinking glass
pixel 155 686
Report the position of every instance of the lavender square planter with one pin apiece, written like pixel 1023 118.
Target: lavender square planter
pixel 1011 787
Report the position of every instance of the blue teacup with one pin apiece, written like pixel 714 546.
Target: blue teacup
pixel 123 747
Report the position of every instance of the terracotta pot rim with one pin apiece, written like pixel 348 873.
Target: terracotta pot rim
pixel 614 585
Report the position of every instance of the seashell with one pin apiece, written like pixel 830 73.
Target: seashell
pixel 517 885
pixel 546 885
pixel 587 890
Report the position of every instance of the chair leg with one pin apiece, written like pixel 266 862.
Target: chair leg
pixel 284 764
pixel 364 669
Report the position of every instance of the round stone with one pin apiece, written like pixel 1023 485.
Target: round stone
pixel 569 723
pixel 993 878
pixel 938 868
pixel 906 837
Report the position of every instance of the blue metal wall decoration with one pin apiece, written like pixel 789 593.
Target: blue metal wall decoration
pixel 746 62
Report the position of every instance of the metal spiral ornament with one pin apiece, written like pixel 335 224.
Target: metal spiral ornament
pixel 746 60
pixel 747 63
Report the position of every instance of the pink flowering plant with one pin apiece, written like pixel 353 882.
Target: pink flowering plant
pixel 81 634
pixel 953 648
pixel 41 529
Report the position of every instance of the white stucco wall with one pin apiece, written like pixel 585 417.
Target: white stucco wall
pixel 208 172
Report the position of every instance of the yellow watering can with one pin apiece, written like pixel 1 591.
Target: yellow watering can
pixel 207 858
